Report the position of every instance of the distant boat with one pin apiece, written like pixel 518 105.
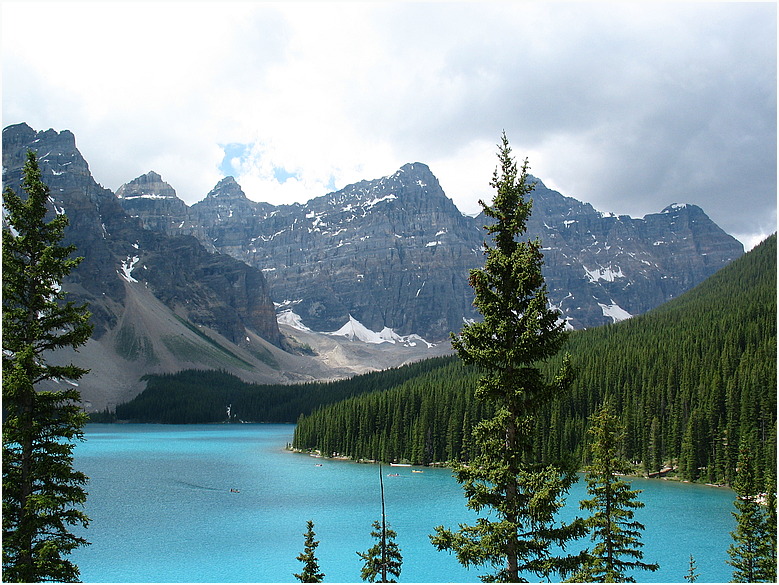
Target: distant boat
pixel 417 471
pixel 393 475
pixel 400 464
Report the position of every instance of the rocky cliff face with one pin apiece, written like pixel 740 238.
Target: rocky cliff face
pixel 392 253
pixel 395 253
pixel 156 204
pixel 215 291
pixel 162 297
pixel 375 263
pixel 601 267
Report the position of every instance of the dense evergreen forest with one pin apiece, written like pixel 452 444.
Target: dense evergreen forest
pixel 203 396
pixel 692 380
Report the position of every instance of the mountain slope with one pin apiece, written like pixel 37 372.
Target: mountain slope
pixel 160 300
pixel 124 262
pixel 395 253
pixel 693 380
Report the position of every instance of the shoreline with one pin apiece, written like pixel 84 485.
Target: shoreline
pixel 441 465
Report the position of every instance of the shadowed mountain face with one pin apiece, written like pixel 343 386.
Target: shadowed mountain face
pixel 127 270
pixel 395 252
pixel 210 290
pixel 377 264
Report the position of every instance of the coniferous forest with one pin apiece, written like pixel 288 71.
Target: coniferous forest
pixel 203 396
pixel 692 380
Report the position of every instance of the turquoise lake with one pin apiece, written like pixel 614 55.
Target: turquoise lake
pixel 162 510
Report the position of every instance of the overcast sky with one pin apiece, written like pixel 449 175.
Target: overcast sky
pixel 627 106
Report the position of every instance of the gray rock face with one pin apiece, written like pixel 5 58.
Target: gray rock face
pixel 155 202
pixel 216 291
pixel 395 252
pixel 598 265
pixel 378 250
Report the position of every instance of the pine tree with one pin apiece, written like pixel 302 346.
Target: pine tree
pixel 615 533
pixel 691 576
pixel 752 554
pixel 383 557
pixel 40 487
pixel 518 330
pixel 311 572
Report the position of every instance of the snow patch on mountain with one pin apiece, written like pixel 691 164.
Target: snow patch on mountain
pixel 292 319
pixel 353 330
pixel 608 274
pixel 614 312
pixel 127 268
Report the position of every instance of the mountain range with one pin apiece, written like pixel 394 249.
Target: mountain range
pixel 367 277
pixel 394 253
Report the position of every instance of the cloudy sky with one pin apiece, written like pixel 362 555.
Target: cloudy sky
pixel 629 106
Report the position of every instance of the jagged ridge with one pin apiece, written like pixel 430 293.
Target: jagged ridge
pixel 395 253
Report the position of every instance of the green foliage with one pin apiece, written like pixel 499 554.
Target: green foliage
pixel 689 379
pixel 190 351
pixel 427 419
pixel 702 366
pixel 42 493
pixel 383 557
pixel 132 346
pixel 311 572
pixel 692 576
pixel 615 533
pixel 203 396
pixel 753 552
pixel 518 330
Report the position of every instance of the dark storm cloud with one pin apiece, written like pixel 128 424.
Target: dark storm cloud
pixel 628 106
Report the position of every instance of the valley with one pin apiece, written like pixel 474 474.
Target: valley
pixel 260 290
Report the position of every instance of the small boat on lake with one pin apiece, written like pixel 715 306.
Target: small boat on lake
pixel 400 464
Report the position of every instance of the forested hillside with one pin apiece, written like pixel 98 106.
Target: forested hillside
pixel 197 396
pixel 692 379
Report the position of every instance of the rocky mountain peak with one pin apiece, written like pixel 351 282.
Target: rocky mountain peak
pixel 148 186
pixel 418 171
pixel 155 203
pixel 59 155
pixel 683 209
pixel 413 186
pixel 205 289
pixel 227 188
pixel 395 253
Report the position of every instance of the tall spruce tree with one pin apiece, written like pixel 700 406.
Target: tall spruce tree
pixel 42 493
pixel 311 572
pixel 616 534
pixel 519 330
pixel 692 575
pixel 382 558
pixel 753 552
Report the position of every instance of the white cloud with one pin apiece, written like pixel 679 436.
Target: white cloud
pixel 627 106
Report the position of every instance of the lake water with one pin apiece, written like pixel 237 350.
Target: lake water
pixel 162 510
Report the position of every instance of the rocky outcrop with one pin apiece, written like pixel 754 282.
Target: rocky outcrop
pixel 377 250
pixel 602 267
pixel 395 253
pixel 213 290
pixel 156 204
